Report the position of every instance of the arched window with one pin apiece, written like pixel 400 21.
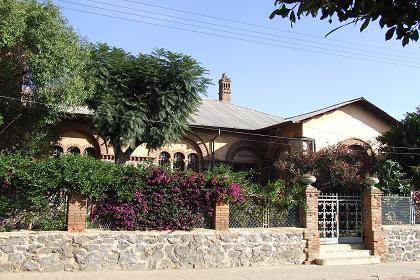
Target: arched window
pixel 358 152
pixel 164 158
pixel 90 152
pixel 179 161
pixel 56 150
pixel 245 159
pixel 73 150
pixel 193 162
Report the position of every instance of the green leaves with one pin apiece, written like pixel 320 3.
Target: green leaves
pixel 146 98
pixel 42 54
pixel 36 190
pixel 390 33
pixel 392 178
pixel 364 25
pixel 401 144
pixel 402 16
pixel 283 11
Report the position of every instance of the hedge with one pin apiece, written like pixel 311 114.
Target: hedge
pixel 129 197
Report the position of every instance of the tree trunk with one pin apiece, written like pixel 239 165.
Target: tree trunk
pixel 122 157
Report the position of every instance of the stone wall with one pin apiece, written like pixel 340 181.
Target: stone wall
pixel 402 243
pixel 108 250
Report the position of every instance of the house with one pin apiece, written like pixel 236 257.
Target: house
pixel 222 132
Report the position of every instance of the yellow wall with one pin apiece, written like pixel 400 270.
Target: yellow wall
pixel 75 139
pixel 351 121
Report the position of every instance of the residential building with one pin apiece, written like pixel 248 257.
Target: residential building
pixel 222 132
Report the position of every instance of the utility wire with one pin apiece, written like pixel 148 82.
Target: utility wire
pixel 9 124
pixel 235 28
pixel 262 26
pixel 394 153
pixel 242 39
pixel 408 148
pixel 234 33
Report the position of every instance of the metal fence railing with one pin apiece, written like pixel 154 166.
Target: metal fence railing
pixel 250 215
pixel 398 210
pixel 95 224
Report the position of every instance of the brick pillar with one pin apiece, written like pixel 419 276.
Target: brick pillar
pixel 76 213
pixel 310 222
pixel 373 234
pixel 221 216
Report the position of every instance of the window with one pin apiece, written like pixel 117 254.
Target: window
pixel 164 158
pixel 56 150
pixel 179 161
pixel 90 152
pixel 193 162
pixel 73 150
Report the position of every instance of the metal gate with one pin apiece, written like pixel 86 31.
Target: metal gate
pixel 340 218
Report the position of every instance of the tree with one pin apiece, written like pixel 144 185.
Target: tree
pixel 400 17
pixel 336 168
pixel 144 99
pixel 402 144
pixel 392 179
pixel 43 69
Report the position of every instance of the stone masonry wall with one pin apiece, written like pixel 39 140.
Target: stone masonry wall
pixel 110 250
pixel 402 243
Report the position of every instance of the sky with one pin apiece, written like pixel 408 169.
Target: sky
pixel 275 68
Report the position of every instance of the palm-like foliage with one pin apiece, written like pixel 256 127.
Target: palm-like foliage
pixel 144 99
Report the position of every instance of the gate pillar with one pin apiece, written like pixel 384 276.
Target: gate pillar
pixel 373 234
pixel 76 213
pixel 310 222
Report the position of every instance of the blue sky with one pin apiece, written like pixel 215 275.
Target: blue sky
pixel 283 81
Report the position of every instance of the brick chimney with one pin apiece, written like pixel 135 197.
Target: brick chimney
pixel 224 88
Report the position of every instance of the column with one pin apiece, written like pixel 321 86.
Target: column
pixel 76 213
pixel 373 234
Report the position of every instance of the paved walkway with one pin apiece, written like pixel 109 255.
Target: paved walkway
pixel 388 271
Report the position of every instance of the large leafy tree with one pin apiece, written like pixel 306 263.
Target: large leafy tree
pixel 145 98
pixel 402 144
pixel 42 71
pixel 400 17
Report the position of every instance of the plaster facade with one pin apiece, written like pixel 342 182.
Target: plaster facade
pixel 345 123
pixel 352 123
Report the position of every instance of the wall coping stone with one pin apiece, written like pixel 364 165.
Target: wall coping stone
pixel 412 227
pixel 92 232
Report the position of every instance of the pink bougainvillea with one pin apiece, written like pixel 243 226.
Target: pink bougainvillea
pixel 168 201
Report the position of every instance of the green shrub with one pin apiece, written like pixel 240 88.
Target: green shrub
pixel 392 179
pixel 35 192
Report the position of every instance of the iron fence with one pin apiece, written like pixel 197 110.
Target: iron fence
pixel 398 210
pixel 252 215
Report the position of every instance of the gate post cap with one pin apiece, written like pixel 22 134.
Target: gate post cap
pixel 371 181
pixel 308 179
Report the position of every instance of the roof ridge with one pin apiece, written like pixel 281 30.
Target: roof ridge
pixel 331 106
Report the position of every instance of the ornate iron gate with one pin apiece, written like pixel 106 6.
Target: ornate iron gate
pixel 340 218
